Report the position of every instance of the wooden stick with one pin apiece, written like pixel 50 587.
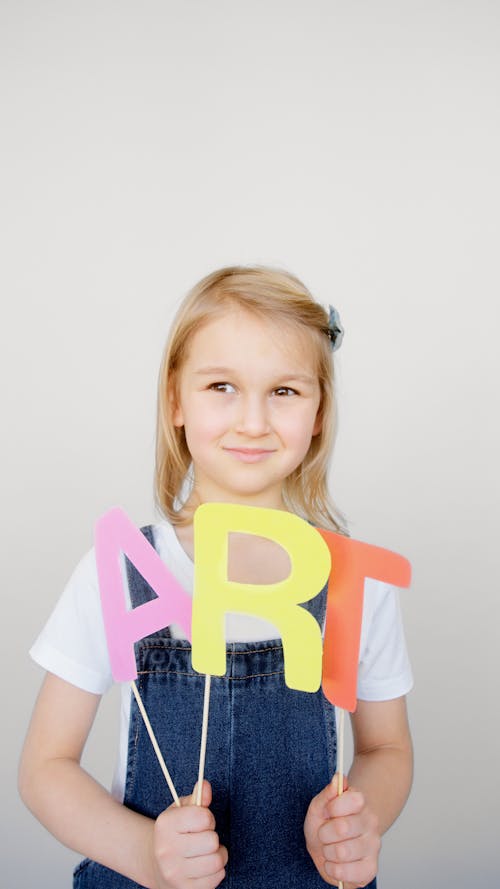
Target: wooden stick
pixel 204 735
pixel 155 743
pixel 340 763
pixel 340 753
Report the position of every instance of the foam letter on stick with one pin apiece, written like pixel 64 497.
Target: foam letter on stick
pixel 352 562
pixel 115 534
pixel 215 595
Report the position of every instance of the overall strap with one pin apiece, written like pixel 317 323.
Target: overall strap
pixel 139 589
pixel 317 606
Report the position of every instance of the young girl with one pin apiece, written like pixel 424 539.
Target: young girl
pixel 246 415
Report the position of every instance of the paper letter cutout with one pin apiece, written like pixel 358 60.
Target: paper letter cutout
pixel 114 534
pixel 214 594
pixel 352 561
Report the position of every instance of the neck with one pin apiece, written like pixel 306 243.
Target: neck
pixel 272 499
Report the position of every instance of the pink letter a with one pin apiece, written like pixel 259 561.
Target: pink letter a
pixel 114 534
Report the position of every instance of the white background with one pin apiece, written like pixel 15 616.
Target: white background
pixel 145 144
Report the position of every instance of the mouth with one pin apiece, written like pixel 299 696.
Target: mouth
pixel 250 455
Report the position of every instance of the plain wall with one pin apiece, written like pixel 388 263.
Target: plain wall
pixel 356 144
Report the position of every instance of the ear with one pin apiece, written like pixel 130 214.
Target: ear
pixel 178 417
pixel 318 423
pixel 174 404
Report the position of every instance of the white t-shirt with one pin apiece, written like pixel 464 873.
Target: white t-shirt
pixel 72 645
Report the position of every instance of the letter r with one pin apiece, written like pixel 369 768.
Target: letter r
pixel 215 595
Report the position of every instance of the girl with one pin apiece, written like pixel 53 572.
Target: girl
pixel 245 415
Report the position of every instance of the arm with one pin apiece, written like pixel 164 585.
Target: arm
pixel 343 833
pixel 382 768
pixel 85 817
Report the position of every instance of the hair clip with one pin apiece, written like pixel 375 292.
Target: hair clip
pixel 334 331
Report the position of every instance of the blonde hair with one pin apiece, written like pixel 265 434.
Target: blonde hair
pixel 277 297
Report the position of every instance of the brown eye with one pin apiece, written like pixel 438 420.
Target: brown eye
pixel 285 390
pixel 222 387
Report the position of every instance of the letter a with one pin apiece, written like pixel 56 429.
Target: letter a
pixel 114 534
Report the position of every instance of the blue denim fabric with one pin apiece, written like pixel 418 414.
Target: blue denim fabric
pixel 270 750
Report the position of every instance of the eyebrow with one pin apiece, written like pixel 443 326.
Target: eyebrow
pixel 214 370
pixel 228 371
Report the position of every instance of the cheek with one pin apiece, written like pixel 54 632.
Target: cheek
pixel 311 428
pixel 305 425
pixel 299 434
pixel 202 425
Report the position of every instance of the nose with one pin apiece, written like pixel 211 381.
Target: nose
pixel 253 419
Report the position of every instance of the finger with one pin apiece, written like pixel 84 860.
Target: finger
pixel 355 873
pixel 187 819
pixel 318 806
pixel 347 850
pixel 338 830
pixel 342 828
pixel 352 802
pixel 205 865
pixel 197 844
pixel 209 882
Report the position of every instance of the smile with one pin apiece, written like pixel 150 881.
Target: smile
pixel 250 455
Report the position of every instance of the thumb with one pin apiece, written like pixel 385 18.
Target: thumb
pixel 334 783
pixel 190 800
pixel 206 794
pixel 330 792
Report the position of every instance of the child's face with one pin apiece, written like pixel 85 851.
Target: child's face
pixel 248 397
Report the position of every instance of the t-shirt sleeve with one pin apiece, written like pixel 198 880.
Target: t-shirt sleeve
pixel 73 643
pixel 384 667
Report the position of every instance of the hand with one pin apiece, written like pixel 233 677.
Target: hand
pixel 342 836
pixel 186 847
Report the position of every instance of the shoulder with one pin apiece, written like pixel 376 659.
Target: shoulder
pixel 380 600
pixel 381 615
pixel 82 587
pixel 72 644
pixel 384 666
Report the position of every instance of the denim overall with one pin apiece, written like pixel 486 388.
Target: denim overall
pixel 270 750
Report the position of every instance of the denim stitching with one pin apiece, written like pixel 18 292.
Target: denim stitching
pixel 155 645
pixel 229 678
